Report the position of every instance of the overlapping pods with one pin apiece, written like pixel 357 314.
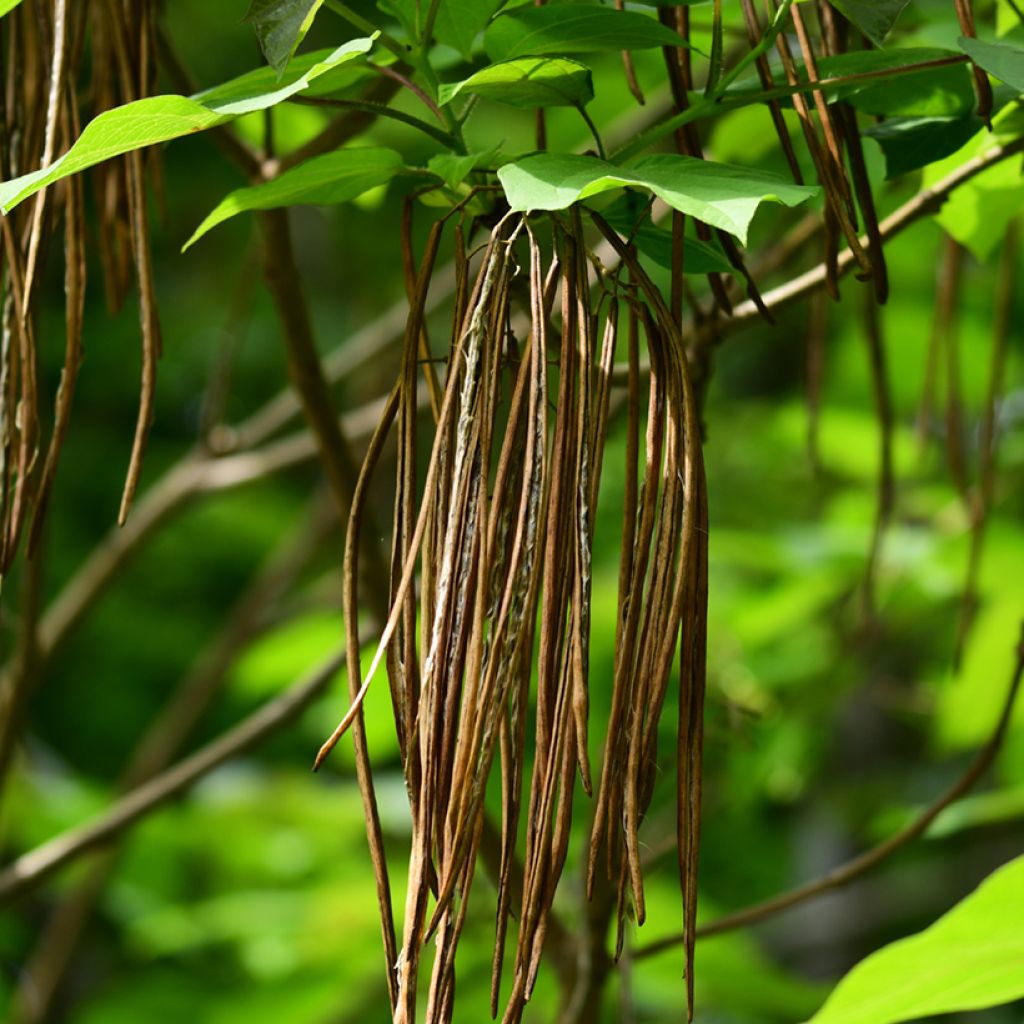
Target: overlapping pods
pixel 487 638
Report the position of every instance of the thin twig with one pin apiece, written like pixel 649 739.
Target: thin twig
pixel 33 867
pixel 852 869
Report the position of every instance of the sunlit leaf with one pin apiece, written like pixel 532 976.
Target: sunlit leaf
pixel 573 28
pixel 933 91
pixel 1002 60
pixel 528 82
pixel 157 119
pixel 331 178
pixel 970 959
pixel 722 195
pixel 977 213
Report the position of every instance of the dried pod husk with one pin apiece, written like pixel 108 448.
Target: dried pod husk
pixel 43 51
pixel 501 536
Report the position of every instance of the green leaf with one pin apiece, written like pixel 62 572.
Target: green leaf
pixel 934 92
pixel 721 195
pixel 459 22
pixel 573 28
pixel 981 810
pixel 331 178
pixel 875 18
pixel 1001 60
pixel 629 216
pixel 259 89
pixel 910 143
pixel 979 211
pixel 280 26
pixel 6 6
pixel 970 959
pixel 529 82
pixel 452 168
pixel 157 119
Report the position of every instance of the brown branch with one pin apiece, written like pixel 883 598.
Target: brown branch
pixel 852 869
pixel 307 377
pixel 343 127
pixel 33 867
pixel 926 202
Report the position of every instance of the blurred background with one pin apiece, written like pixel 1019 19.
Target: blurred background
pixel 830 718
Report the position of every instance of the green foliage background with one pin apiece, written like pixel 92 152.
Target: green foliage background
pixel 251 899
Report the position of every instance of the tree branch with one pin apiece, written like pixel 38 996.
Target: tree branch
pixel 307 377
pixel 28 870
pixel 58 939
pixel 926 202
pixel 846 873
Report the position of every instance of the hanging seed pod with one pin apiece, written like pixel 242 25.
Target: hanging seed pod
pixel 44 49
pixel 502 534
pixel 982 86
pixel 628 67
pixel 827 158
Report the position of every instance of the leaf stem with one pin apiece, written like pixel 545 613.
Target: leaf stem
pixel 589 121
pixel 382 110
pixel 400 50
pixel 418 59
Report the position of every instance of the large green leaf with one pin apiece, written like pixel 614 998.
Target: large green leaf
pixel 6 6
pixel 459 22
pixel 315 73
pixel 875 18
pixel 529 82
pixel 331 178
pixel 910 143
pixel 280 26
pixel 933 92
pixel 979 211
pixel 919 81
pixel 573 28
pixel 722 195
pixel 159 119
pixel 971 958
pixel 1003 60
